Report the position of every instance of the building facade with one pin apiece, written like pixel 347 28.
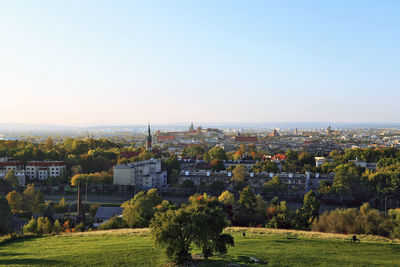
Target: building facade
pixel 143 175
pixel 44 169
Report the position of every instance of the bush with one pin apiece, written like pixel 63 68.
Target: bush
pixel 30 227
pixel 44 226
pixel 363 221
pixel 113 223
pixel 57 228
pixel 80 227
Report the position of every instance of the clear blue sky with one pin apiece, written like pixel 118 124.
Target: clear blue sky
pixel 80 62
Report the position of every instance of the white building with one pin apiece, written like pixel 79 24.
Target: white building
pixel 319 161
pixel 143 175
pixel 44 169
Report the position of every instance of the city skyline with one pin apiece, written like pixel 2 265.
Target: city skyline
pixel 102 63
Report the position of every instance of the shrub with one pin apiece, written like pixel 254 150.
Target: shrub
pixel 57 228
pixel 80 227
pixel 44 226
pixel 31 227
pixel 113 223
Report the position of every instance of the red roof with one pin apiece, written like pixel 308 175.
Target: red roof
pixel 10 163
pixel 246 139
pixel 165 137
pixel 280 157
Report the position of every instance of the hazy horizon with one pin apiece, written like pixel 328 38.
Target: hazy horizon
pixel 165 62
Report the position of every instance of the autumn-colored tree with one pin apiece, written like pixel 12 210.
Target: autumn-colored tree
pixel 239 173
pixel 12 179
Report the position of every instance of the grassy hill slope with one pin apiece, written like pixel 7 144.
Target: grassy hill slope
pixel 134 247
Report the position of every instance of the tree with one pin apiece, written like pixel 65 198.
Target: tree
pixel 309 212
pixel 5 215
pixel 217 153
pixel 347 179
pixel 173 168
pixel 44 226
pixel 140 210
pixel 278 215
pixel 199 223
pixel 31 227
pixel 265 166
pixel 33 199
pixel 49 144
pixel 226 198
pixel 274 186
pixel 250 208
pixel 61 206
pixel 239 173
pixel 57 228
pixel 217 165
pixel 15 201
pixel 187 184
pixel 12 179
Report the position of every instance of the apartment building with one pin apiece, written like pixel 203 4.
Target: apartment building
pixel 143 175
pixel 44 169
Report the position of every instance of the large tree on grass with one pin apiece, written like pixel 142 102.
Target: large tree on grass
pixel 199 223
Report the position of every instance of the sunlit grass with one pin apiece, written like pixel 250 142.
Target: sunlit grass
pixel 134 247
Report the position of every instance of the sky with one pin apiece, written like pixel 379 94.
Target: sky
pixel 131 62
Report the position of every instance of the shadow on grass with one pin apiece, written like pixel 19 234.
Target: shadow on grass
pixel 18 240
pixel 239 261
pixel 29 261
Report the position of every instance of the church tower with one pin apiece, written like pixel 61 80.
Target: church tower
pixel 148 139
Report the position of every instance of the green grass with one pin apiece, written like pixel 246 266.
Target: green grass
pixel 134 247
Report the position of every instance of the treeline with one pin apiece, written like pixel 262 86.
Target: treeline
pixel 80 155
pixel 252 210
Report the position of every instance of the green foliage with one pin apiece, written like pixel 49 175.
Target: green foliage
pixel 12 179
pixel 217 153
pixel 92 178
pixel 44 226
pixel 187 184
pixel 61 206
pixel 140 210
pixel 173 168
pixel 113 223
pixel 363 221
pixel 217 165
pixel 5 216
pixel 31 227
pixel 29 201
pixel 307 214
pixel 347 179
pixel 200 223
pixel 80 227
pixel 227 198
pixel 274 185
pixel 250 209
pixel 57 228
pixel 239 173
pixel 265 166
pixel 278 215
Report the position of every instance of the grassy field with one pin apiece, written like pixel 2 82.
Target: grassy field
pixel 134 247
